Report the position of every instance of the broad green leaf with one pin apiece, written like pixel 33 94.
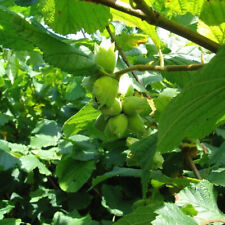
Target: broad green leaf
pixel 172 214
pixel 113 200
pixel 184 6
pixel 180 78
pixel 74 90
pixel 5 207
pixel 217 177
pixel 56 52
pixel 140 216
pixel 7 161
pixel 144 150
pixel 67 17
pixel 73 174
pixel 4 119
pixel 47 155
pixel 46 133
pixel 30 162
pixel 10 221
pixel 136 22
pixel 8 34
pixel 80 120
pixel 212 19
pixel 203 198
pixel 60 218
pixel 208 32
pixel 220 132
pixel 217 156
pixel 213 12
pixel 164 98
pixel 42 192
pixel 177 182
pixel 85 148
pixel 195 112
pixel 79 200
pixel 117 172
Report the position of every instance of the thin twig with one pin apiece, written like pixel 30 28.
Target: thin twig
pixel 161 58
pixel 170 68
pixel 52 182
pixel 122 53
pixel 125 58
pixel 213 221
pixel 193 166
pixel 154 18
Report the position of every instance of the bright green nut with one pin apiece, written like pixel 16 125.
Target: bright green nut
pixel 105 90
pixel 100 122
pixel 105 56
pixel 125 86
pixel 114 109
pixel 136 124
pixel 134 104
pixel 116 126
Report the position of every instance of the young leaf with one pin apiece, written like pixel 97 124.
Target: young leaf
pixel 196 111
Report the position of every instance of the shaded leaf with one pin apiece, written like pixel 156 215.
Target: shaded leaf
pixel 10 221
pixel 112 199
pixel 140 216
pixel 195 111
pixel 73 174
pixel 217 177
pixel 5 207
pixel 60 218
pixel 123 172
pixel 144 150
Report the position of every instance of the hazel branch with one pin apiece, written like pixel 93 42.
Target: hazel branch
pixel 170 68
pixel 154 18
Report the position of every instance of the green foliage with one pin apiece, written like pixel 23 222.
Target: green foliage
pixel 73 174
pixel 83 141
pixel 62 21
pixel 201 110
